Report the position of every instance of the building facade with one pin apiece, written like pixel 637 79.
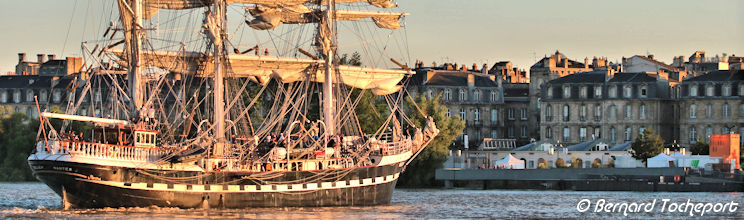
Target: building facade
pixel 712 103
pixel 613 107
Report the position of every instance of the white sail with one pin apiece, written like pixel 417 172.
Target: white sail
pixel 268 18
pixel 287 70
pixel 152 6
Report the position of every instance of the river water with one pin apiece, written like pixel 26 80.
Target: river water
pixel 35 200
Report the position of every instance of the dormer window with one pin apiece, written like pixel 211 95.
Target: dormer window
pixel 43 96
pixel 566 91
pixel 4 97
pixel 693 90
pixel 628 91
pixel 726 90
pixel 710 90
pixel 643 91
pixel 56 96
pixel 493 96
pixel 476 95
pixel 612 91
pixel 29 95
pixel 17 96
pixel 462 95
pixel 549 92
pixel 597 91
pixel 583 92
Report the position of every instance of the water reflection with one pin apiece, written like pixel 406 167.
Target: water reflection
pixel 34 200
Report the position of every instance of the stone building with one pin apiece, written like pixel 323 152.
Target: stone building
pixel 712 103
pixel 605 105
pixel 508 73
pixel 475 97
pixel 518 123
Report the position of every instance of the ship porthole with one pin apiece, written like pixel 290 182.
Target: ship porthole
pixel 114 171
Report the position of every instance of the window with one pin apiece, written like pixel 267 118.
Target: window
pixel 494 116
pixel 493 95
pixel 693 90
pixel 627 133
pixel 583 112
pixel 726 90
pixel 566 91
pixel 692 135
pixel 692 111
pixel 642 131
pixel 447 94
pixel 566 134
pixel 612 112
pixel 475 114
pixel 43 96
pixel 549 92
pixel 56 96
pixel 627 91
pixel 17 96
pixel 548 133
pixel 596 132
pixel 511 132
pixel 29 96
pixel 612 134
pixel 598 113
pixel 462 95
pixel 597 91
pixel 710 90
pixel 566 113
pixel 462 114
pixel 627 112
pixel 612 91
pixel 709 111
pixel 494 134
pixel 726 110
pixel 548 113
pixel 643 111
pixel 447 113
pixel 725 130
pixel 583 134
pixel 583 92
pixel 708 132
pixel 476 95
pixel 523 114
pixel 643 91
pixel 511 114
pixel 523 131
pixel 741 89
pixel 3 97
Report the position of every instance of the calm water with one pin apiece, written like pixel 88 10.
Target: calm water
pixel 35 200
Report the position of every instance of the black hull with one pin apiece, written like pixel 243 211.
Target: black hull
pixel 96 186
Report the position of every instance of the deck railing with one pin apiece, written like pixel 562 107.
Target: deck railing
pixel 106 151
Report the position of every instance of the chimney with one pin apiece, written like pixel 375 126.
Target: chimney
pixel 475 67
pixel 428 76
pixel 21 57
pixel 650 56
pixel 463 68
pixel 485 69
pixel 50 57
pixel 586 63
pixel 40 58
pixel 471 80
pixel 566 63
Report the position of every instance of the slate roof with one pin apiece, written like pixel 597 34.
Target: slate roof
pixel 720 75
pixel 452 78
pixel 586 77
pixel 23 81
pixel 632 77
pixel 585 146
pixel 669 67
pixel 516 92
pixel 622 147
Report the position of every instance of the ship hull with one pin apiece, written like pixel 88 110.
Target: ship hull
pixel 83 185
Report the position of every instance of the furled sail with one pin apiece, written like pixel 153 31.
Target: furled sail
pixel 152 6
pixel 287 70
pixel 268 18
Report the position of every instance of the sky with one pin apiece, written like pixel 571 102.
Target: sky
pixel 458 31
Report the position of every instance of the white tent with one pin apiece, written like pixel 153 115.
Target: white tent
pixel 660 160
pixel 627 161
pixel 510 162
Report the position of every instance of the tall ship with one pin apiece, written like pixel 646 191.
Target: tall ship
pixel 222 126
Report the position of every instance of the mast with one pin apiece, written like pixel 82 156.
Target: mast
pixel 327 33
pixel 135 70
pixel 217 29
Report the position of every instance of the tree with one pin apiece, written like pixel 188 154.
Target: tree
pixel 370 111
pixel 421 171
pixel 647 145
pixel 355 59
pixel 700 148
pixel 17 138
pixel 560 163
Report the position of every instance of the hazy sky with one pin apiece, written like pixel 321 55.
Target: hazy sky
pixel 474 31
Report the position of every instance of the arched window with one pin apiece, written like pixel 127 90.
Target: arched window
pixel 583 92
pixel 17 96
pixel 566 91
pixel 476 95
pixel 693 90
pixel 447 94
pixel 710 90
pixel 548 133
pixel 692 135
pixel 3 97
pixel 462 95
pixel 462 114
pixel 549 92
pixel 692 111
pixel 29 96
pixel 612 91
pixel 643 111
pixel 493 95
pixel 597 91
pixel 627 91
pixel 566 113
pixel 43 96
pixel 56 96
pixel 727 90
pixel 549 113
pixel 566 134
pixel 583 133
